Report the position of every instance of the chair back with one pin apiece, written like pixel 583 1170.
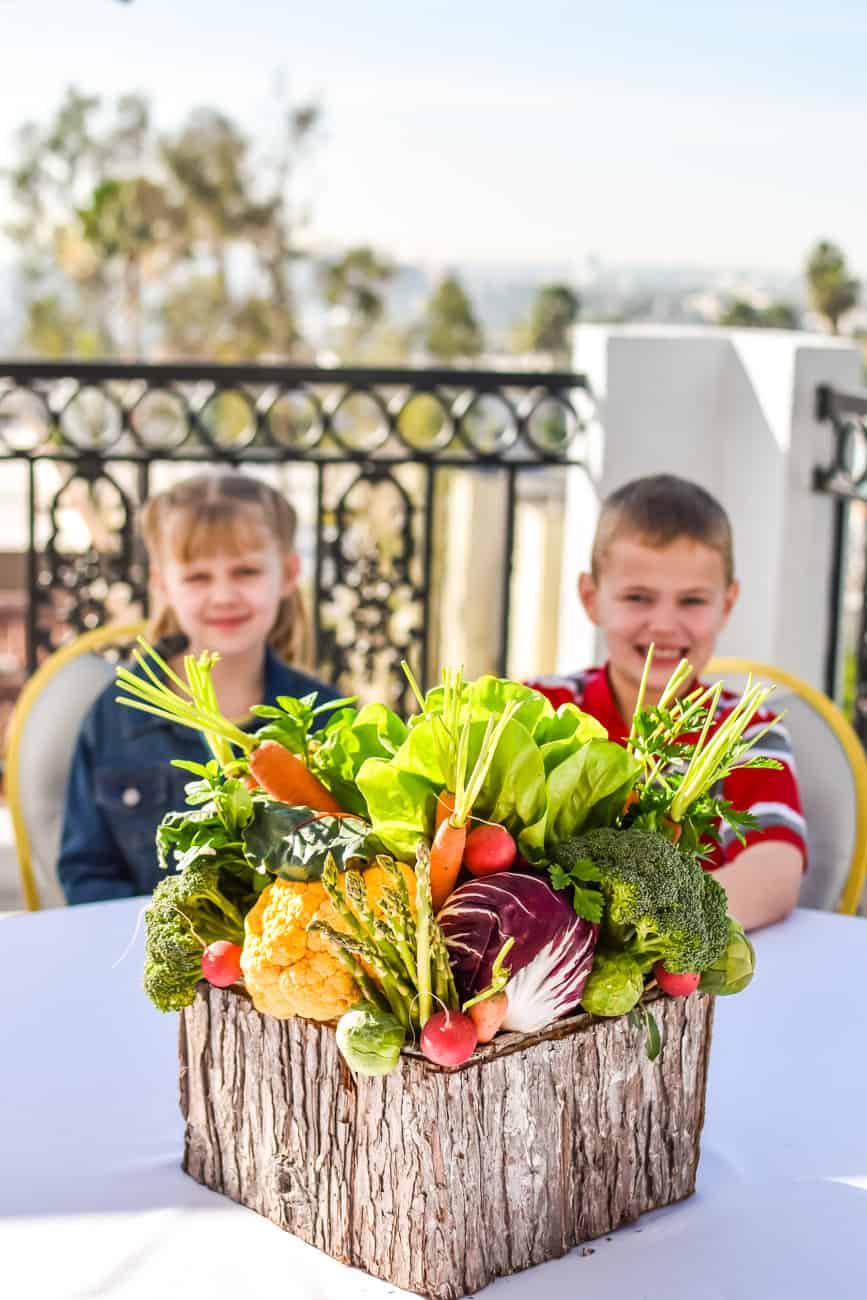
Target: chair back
pixel 42 733
pixel 831 768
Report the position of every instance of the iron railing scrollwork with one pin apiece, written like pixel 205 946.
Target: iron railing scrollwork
pixel 94 436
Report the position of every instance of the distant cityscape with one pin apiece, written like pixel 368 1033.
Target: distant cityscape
pixel 502 296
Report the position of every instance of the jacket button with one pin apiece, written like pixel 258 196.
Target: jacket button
pixel 131 796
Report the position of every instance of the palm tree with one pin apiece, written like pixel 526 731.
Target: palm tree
pixel 832 289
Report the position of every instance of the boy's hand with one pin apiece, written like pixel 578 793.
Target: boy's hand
pixel 763 883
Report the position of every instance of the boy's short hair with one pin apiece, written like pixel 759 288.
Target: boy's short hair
pixel 660 509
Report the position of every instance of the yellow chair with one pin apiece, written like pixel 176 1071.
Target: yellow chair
pixel 832 775
pixel 40 741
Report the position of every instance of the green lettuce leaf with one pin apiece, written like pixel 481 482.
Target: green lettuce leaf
pixel 346 742
pixel 400 805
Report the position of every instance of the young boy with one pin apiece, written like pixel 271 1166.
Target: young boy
pixel 662 571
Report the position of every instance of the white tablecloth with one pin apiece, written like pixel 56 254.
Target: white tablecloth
pixel 93 1201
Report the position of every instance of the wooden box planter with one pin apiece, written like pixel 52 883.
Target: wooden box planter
pixel 441 1180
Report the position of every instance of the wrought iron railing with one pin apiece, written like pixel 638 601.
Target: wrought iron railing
pixel 844 479
pixel 106 430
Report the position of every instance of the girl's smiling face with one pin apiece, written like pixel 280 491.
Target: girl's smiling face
pixel 227 601
pixel 675 597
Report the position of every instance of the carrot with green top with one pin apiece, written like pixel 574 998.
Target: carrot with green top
pixel 284 776
pixel 445 733
pixel 447 850
pixel 193 703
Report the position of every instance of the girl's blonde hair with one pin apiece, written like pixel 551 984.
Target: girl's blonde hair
pixel 226 512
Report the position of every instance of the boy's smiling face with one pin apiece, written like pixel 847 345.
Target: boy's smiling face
pixel 675 596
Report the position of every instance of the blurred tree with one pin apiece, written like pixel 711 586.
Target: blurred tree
pixel 354 285
pixel 741 314
pixel 832 289
pixel 549 329
pixel 135 243
pixel 53 330
pixel 451 331
pixel 129 223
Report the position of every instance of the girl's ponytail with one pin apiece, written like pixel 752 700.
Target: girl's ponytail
pixel 292 637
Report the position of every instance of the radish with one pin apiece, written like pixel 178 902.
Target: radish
pixel 488 1015
pixel 449 1038
pixel 676 985
pixel 489 849
pixel 221 963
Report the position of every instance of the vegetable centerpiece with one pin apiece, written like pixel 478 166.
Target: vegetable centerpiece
pixel 488 864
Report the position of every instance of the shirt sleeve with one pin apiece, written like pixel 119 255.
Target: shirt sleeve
pixel 771 795
pixel 91 866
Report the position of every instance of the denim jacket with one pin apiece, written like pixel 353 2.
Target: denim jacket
pixel 121 784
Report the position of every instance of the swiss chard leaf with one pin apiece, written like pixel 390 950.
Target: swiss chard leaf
pixel 294 842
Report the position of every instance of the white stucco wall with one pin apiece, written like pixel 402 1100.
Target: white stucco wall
pixel 733 410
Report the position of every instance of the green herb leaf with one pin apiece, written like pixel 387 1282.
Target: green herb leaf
pixel 654 1037
pixel 197 769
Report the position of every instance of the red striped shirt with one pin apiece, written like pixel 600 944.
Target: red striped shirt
pixel 770 794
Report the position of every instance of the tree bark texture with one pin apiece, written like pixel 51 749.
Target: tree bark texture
pixel 441 1180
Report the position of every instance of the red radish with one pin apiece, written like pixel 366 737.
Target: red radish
pixel 488 1015
pixel 676 985
pixel 489 849
pixel 449 1038
pixel 221 963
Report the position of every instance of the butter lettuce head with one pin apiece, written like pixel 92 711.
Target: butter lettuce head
pixel 554 773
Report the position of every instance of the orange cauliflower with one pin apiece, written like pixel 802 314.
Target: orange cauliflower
pixel 289 971
pixel 376 880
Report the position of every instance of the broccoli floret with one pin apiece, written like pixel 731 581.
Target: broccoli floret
pixel 660 905
pixel 187 912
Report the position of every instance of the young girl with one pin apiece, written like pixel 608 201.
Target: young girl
pixel 224 576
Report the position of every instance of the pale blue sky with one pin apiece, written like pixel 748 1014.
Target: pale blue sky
pixel 730 134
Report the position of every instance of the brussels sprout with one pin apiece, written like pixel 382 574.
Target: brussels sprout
pixel 614 985
pixel 369 1039
pixel 733 971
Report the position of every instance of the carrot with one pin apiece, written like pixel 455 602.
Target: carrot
pixel 446 855
pixel 674 829
pixel 488 1016
pixel 284 777
pixel 631 798
pixel 445 807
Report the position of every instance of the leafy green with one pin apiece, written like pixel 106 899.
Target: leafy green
pixel 293 842
pixel 211 827
pixel 291 721
pixel 595 779
pixel 642 1018
pixel 684 757
pixel 400 805
pixel 587 902
pixel 551 773
pixel 348 738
